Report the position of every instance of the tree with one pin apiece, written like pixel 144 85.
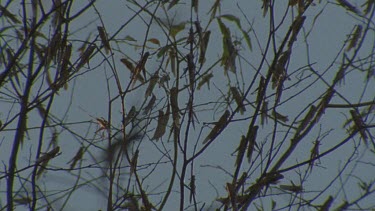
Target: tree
pixel 182 104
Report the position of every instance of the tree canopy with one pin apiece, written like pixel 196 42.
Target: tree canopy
pixel 187 105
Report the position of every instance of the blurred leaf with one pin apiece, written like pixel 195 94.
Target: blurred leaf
pixel 134 162
pixel 359 125
pixel 355 37
pixel 162 51
pixel 251 135
pixel 150 105
pixel 224 30
pixel 128 64
pixel 203 47
pixel 175 29
pixel 218 126
pixel 216 6
pixel 238 98
pixel 77 157
pixel 348 6
pixel 130 38
pixel 154 79
pixel 368 6
pixel 175 108
pixel 154 41
pixel 162 124
pixel 280 117
pixel 263 114
pixel 172 4
pixel 205 79
pixel 293 188
pixel 85 57
pixel 194 5
pixel 49 155
pixel 23 200
pixel 103 37
pixel 273 205
pixel 327 204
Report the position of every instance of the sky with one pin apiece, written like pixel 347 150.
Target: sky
pixel 88 94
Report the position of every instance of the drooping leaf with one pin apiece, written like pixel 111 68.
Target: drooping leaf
pixel 154 79
pixel 103 37
pixel 218 126
pixel 140 67
pixel 263 114
pixel 203 47
pixel 175 108
pixel 150 105
pixel 85 57
pixel 251 135
pixel 205 79
pixel 77 157
pixel 162 124
pixel 238 98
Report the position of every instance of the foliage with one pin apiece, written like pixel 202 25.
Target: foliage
pixel 169 102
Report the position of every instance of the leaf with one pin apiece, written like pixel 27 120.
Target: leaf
pixel 49 155
pixel 205 79
pixel 128 64
pixel 224 30
pixel 162 124
pixel 348 6
pixel 77 157
pixel 233 19
pixel 280 117
pixel 216 6
pixel 103 37
pixel 247 39
pixel 355 37
pixel 154 41
pixel 293 188
pixel 307 118
pixel 251 135
pixel 162 51
pixel 85 57
pixel 327 204
pixel 140 67
pixel 238 98
pixel 172 58
pixel 175 29
pixel 263 114
pixel 150 105
pixel 203 47
pixel 130 38
pixel 154 79
pixel 133 162
pixel 241 150
pixel 174 105
pixel 359 125
pixel 218 126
